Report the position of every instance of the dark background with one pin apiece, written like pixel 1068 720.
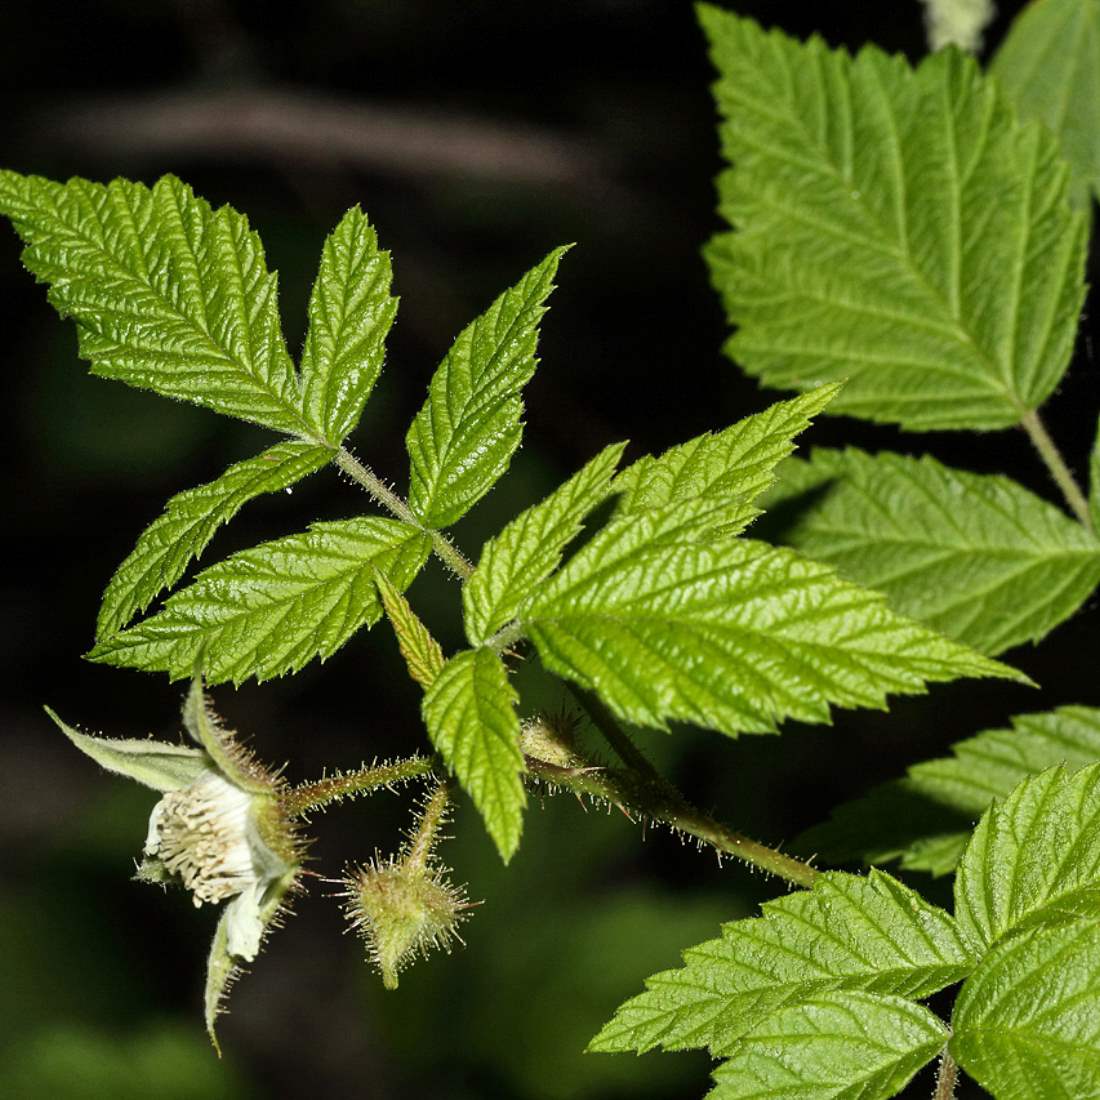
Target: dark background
pixel 477 136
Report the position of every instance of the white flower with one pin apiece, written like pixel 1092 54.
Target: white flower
pixel 220 829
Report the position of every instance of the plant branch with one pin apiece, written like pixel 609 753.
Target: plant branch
pixel 658 800
pixel 641 788
pixel 1056 464
pixel 946 1078
pixel 321 793
pixel 363 475
pixel 431 820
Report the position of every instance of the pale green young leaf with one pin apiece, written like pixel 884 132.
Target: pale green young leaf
pixel 351 311
pixel 423 657
pixel 1034 857
pixel 850 932
pixel 471 718
pixel 189 521
pixel 736 636
pixel 271 609
pixel 843 1045
pixel 168 293
pixel 156 764
pixel 896 229
pixel 925 820
pixel 1027 1021
pixel 730 468
pixel 1049 67
pixel 514 563
pixel 462 440
pixel 975 556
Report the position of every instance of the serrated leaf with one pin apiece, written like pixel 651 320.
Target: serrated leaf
pixel 423 657
pixel 464 436
pixel 168 294
pixel 736 636
pixel 926 819
pixel 1049 67
pixel 1027 1021
pixel 975 556
pixel 1033 857
pixel 731 468
pixel 836 1046
pixel 514 563
pixel 896 229
pixel 470 714
pixel 156 764
pixel 188 523
pixel 849 932
pixel 271 609
pixel 350 314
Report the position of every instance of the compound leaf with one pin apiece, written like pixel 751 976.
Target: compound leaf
pixel 735 636
pixel 926 819
pixel 843 1045
pixel 464 436
pixel 514 563
pixel 730 468
pixel 351 311
pixel 271 609
pixel 849 932
pixel 471 718
pixel 188 523
pixel 168 293
pixel 895 228
pixel 1027 1021
pixel 975 556
pixel 1034 857
pixel 1049 67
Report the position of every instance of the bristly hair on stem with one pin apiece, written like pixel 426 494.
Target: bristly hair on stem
pixel 322 793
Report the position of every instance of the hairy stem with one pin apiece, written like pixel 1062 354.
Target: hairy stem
pixel 946 1078
pixel 614 734
pixel 321 793
pixel 363 475
pixel 1056 464
pixel 658 800
pixel 431 820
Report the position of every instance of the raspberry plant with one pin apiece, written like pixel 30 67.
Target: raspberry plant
pixel 907 245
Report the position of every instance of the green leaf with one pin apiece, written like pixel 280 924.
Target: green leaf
pixel 1027 1021
pixel 849 932
pixel 350 314
pixel 423 657
pixel 736 636
pixel 1049 67
pixel 471 718
pixel 271 609
pixel 156 764
pixel 975 556
pixel 730 468
pixel 168 294
pixel 1034 857
pixel 464 436
pixel 529 549
pixel 188 523
pixel 894 228
pixel 843 1046
pixel 926 819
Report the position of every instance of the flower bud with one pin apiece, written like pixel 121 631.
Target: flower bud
pixel 402 910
